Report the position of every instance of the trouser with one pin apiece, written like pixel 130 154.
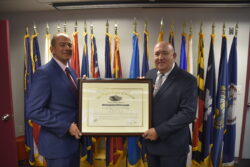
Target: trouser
pixel 71 161
pixel 166 161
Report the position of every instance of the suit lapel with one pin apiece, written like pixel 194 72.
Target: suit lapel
pixel 167 83
pixel 64 79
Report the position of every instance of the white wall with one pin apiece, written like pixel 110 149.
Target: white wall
pixel 124 19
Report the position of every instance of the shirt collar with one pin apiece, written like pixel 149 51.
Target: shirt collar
pixel 166 73
pixel 63 67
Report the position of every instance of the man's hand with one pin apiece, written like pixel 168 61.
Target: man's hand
pixel 150 134
pixel 74 131
pixel 141 77
pixel 84 77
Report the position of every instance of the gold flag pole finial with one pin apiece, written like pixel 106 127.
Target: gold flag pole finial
pixel 76 26
pixel 58 28
pixel 213 28
pixel 47 28
pixel 236 30
pixel 183 28
pixel 146 25
pixel 201 27
pixel 107 26
pixel 91 29
pixel 116 28
pixel 224 29
pixel 26 30
pixel 85 26
pixel 162 24
pixel 135 24
pixel 65 27
pixel 35 28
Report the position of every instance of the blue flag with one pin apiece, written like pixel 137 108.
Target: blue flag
pixel 35 52
pixel 27 84
pixel 133 146
pixel 133 152
pixel 183 57
pixel 87 149
pixel 221 106
pixel 85 59
pixel 210 96
pixel 145 66
pixel 135 66
pixel 108 73
pixel 229 137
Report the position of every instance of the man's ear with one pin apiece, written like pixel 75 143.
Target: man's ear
pixel 51 49
pixel 174 54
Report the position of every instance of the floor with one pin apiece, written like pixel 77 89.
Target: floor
pixel 244 163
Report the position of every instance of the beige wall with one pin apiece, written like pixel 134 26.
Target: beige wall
pixel 124 19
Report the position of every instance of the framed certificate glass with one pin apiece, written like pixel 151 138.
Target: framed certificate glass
pixel 115 107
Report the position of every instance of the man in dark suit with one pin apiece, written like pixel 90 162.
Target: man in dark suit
pixel 174 108
pixel 53 105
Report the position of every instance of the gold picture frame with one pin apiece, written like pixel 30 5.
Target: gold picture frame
pixel 115 106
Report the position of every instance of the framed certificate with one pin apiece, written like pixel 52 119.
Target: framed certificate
pixel 115 107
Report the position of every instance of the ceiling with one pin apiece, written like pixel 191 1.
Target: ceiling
pixel 11 6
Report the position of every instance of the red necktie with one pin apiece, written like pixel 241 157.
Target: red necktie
pixel 72 82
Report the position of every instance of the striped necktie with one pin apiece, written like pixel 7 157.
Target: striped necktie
pixel 158 84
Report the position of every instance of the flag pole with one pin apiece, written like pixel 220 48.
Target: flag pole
pixel 116 28
pixel 47 28
pixel 26 30
pixel 85 26
pixel 162 25
pixel 224 29
pixel 201 25
pixel 184 28
pixel 58 28
pixel 236 30
pixel 35 28
pixel 107 26
pixel 76 26
pixel 145 25
pixel 171 28
pixel 65 26
pixel 135 24
pixel 213 28
pixel 190 30
pixel 91 29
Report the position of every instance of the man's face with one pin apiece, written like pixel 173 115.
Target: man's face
pixel 62 49
pixel 164 57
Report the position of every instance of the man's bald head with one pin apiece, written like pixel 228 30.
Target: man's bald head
pixel 61 47
pixel 164 56
pixel 54 38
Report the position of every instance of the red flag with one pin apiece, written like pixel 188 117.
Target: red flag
pixel 74 61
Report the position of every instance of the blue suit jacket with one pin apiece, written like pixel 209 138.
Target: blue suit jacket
pixel 174 108
pixel 53 105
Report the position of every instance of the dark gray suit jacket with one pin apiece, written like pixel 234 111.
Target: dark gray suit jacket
pixel 174 108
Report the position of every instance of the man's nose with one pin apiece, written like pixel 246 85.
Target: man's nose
pixel 161 56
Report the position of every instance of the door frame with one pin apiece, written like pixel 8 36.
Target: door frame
pixel 245 108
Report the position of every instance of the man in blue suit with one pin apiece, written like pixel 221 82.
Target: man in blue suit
pixel 174 108
pixel 53 105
